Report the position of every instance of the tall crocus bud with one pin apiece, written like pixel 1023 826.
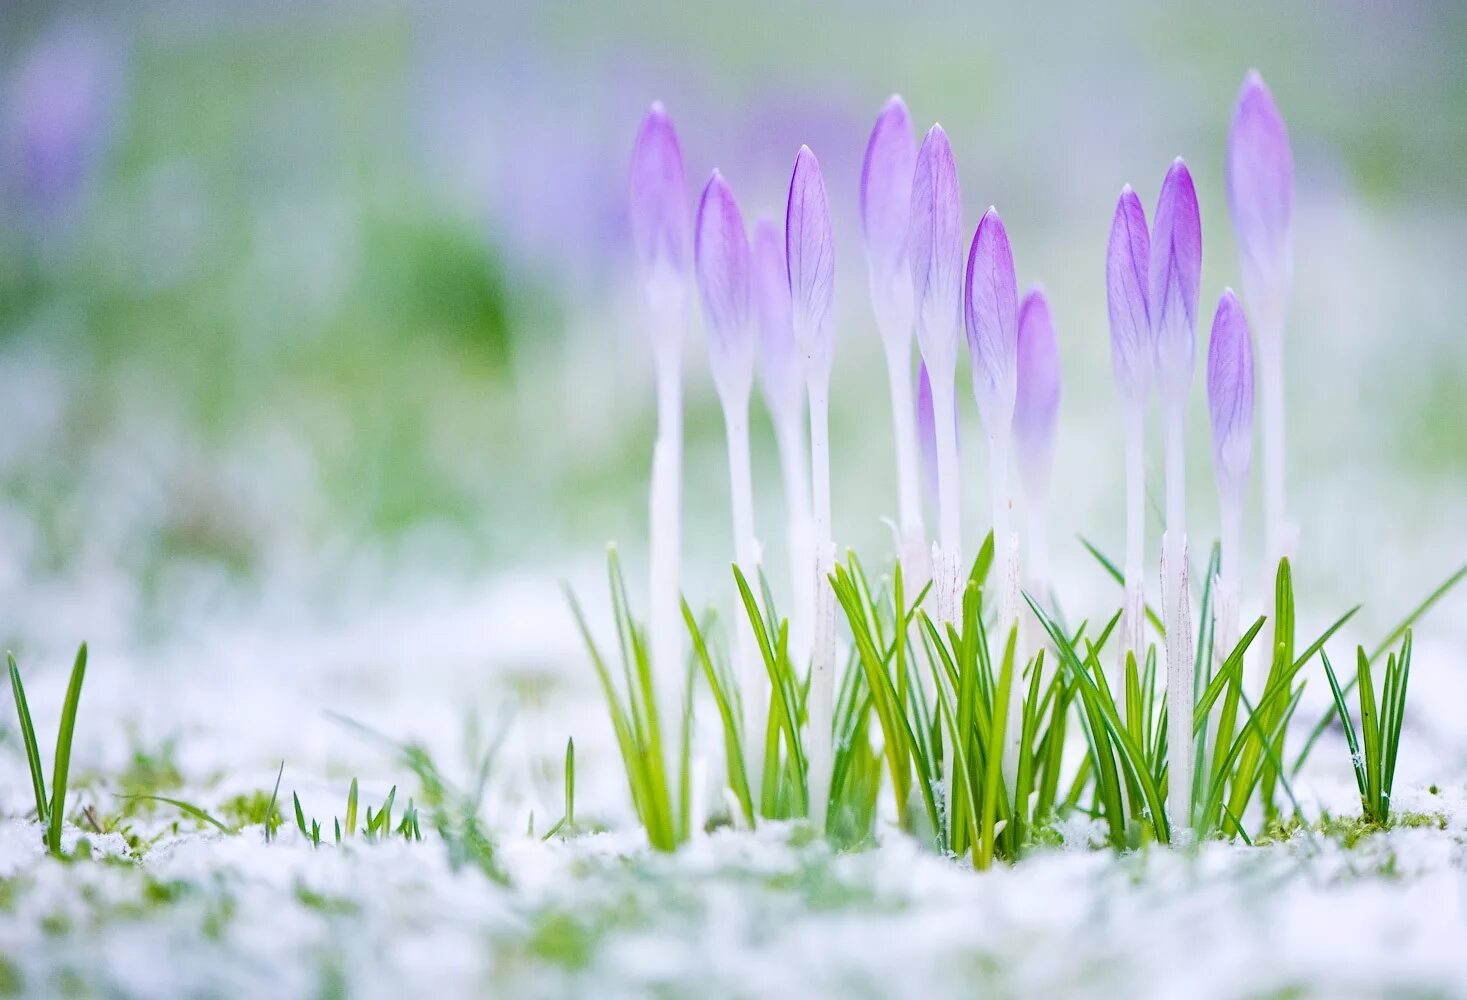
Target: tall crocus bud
pixel 1036 412
pixel 886 204
pixel 935 250
pixel 1127 270
pixel 658 212
pixel 1260 181
pixel 992 300
pixel 784 392
pixel 722 263
pixel 810 252
pixel 1174 276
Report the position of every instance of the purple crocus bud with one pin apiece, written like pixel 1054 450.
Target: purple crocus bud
pixel 992 321
pixel 1230 394
pixel 935 248
pixel 658 196
pixel 810 253
pixel 1127 262
pixel 886 206
pixel 721 260
pixel 1036 406
pixel 779 360
pixel 1260 181
pixel 1174 275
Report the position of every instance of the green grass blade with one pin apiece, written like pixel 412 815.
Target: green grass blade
pixel 187 807
pixel 28 738
pixel 62 762
pixel 351 808
pixel 1115 574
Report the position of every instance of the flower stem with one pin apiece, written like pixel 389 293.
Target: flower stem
pixel 822 667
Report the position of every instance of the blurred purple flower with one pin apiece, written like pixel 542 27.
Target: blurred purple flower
pixel 58 108
pixel 1260 182
pixel 1036 406
pixel 779 360
pixel 658 196
pixel 810 253
pixel 1174 275
pixel 992 322
pixel 1127 262
pixel 1230 394
pixel 935 247
pixel 886 206
pixel 721 260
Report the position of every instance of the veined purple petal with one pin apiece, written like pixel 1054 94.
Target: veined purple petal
pixel 886 207
pixel 1260 181
pixel 1230 393
pixel 935 247
pixel 810 253
pixel 1174 275
pixel 992 322
pixel 658 195
pixel 1127 263
pixel 779 360
pixel 1036 405
pixel 721 259
pixel 927 433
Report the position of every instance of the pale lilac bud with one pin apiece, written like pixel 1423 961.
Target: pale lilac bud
pixel 1036 407
pixel 1173 279
pixel 935 248
pixel 1127 262
pixel 659 196
pixel 886 206
pixel 1260 180
pixel 810 255
pixel 721 260
pixel 927 432
pixel 992 322
pixel 779 362
pixel 1230 394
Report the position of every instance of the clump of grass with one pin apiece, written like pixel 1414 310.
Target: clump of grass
pixel 50 809
pixel 1375 744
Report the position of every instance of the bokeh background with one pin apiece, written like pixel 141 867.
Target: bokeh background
pixel 321 313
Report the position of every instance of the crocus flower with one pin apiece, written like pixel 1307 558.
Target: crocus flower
pixel 658 196
pixel 1174 274
pixel 779 360
pixel 722 265
pixel 992 323
pixel 1230 396
pixel 1260 181
pixel 1036 406
pixel 935 249
pixel 886 205
pixel 1127 264
pixel 809 249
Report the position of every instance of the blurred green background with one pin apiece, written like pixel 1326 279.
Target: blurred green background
pixel 316 295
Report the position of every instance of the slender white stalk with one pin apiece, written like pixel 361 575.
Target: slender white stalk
pixel 947 554
pixel 822 669
pixel 665 506
pixel 1278 530
pixel 1225 618
pixel 1179 656
pixel 789 434
pixel 904 425
pixel 1006 560
pixel 1038 523
pixel 752 675
pixel 1133 621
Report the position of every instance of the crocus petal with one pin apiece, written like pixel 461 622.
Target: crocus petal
pixel 658 195
pixel 779 361
pixel 1260 182
pixel 1127 261
pixel 1230 394
pixel 935 248
pixel 1174 275
pixel 721 260
pixel 1036 405
pixel 992 322
pixel 927 433
pixel 810 253
pixel 886 206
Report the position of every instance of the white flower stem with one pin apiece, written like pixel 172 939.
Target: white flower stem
pixel 752 678
pixel 1133 619
pixel 822 667
pixel 1271 371
pixel 904 425
pixel 789 434
pixel 665 537
pixel 1006 563
pixel 948 555
pixel 1179 657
